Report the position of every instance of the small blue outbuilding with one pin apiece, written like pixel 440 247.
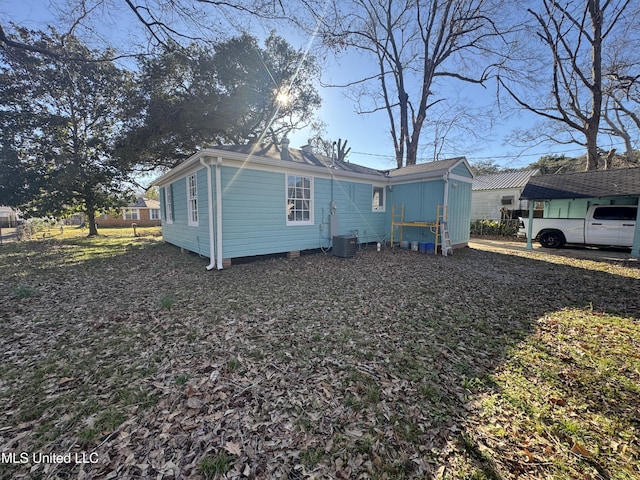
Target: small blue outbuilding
pixel 237 201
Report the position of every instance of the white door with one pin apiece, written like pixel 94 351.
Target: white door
pixel 629 219
pixel 603 228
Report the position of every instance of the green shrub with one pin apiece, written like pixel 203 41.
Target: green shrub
pixel 505 228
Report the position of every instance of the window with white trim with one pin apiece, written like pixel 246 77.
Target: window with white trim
pixel 154 213
pixel 377 202
pixel 168 204
pixel 131 214
pixel 192 200
pixel 299 200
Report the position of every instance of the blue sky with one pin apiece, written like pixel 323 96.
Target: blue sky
pixel 367 135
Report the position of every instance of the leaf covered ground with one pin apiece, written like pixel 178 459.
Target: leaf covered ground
pixel 128 355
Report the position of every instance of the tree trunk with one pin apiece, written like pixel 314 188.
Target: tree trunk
pixel 609 159
pixel 91 220
pixel 592 152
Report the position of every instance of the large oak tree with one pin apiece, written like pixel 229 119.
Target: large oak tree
pixel 238 92
pixel 58 121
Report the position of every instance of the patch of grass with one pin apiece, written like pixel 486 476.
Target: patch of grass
pixel 23 291
pixel 558 390
pixel 212 467
pixel 311 456
pixel 166 301
pixel 233 364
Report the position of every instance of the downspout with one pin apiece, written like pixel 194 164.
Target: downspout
pixel 212 248
pixel 219 212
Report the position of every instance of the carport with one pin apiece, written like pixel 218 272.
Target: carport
pixel 570 195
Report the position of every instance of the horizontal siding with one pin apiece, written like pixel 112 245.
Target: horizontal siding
pixel 254 213
pixel 194 239
pixel 486 204
pixel 353 208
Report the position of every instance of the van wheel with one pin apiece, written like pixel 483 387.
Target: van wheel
pixel 552 239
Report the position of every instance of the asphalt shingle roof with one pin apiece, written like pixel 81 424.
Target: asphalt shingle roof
pixel 143 202
pixel 436 166
pixel 297 156
pixel 598 183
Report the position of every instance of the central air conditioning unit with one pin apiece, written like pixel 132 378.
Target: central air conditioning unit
pixel 344 245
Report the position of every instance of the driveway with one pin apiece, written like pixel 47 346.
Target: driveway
pixel 603 254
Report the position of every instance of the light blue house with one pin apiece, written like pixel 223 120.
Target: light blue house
pixel 247 200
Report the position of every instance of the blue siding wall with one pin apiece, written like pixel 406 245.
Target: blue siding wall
pixel 421 200
pixel 459 211
pixel 195 239
pixel 254 213
pixel 254 209
pixel 353 209
pixel 462 170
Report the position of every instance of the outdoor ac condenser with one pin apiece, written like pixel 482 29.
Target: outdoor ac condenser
pixel 344 245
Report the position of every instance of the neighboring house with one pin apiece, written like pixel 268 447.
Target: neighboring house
pixel 144 213
pixel 497 196
pixel 570 195
pixel 238 201
pixel 8 217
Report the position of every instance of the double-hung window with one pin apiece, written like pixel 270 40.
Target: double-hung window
pixel 154 214
pixel 131 214
pixel 192 200
pixel 299 200
pixel 168 204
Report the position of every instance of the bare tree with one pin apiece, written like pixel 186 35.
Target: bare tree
pixel 573 36
pixel 159 21
pixel 414 47
pixel 621 87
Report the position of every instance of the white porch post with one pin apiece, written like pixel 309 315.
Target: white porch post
pixel 635 249
pixel 530 220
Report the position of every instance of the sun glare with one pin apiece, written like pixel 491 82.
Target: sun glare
pixel 283 98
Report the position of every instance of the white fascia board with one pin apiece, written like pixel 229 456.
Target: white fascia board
pixel 178 171
pixel 460 178
pixel 421 176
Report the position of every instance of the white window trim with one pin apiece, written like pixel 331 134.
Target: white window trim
pixel 168 204
pixel 384 198
pixel 191 221
pixel 126 210
pixel 294 223
pixel 151 214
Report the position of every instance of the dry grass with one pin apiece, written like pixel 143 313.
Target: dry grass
pixel 389 365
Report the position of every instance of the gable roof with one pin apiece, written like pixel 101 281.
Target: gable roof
pixel 428 167
pixel 143 202
pixel 276 156
pixel 304 156
pixel 597 183
pixel 499 181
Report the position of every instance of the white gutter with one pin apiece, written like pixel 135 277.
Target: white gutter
pixel 219 211
pixel 207 165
